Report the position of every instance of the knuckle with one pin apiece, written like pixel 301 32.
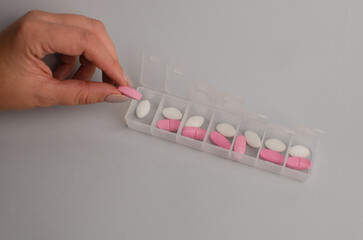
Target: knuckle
pixel 97 24
pixel 43 97
pixel 82 96
pixel 33 13
pixel 28 26
pixel 87 38
pixel 43 101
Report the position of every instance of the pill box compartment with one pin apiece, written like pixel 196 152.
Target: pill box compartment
pixel 143 124
pixel 252 122
pixel 220 117
pixel 279 132
pixel 166 84
pixel 167 101
pixel 195 109
pixel 310 139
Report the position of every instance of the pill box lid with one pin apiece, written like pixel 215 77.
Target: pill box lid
pixel 153 70
pixel 180 80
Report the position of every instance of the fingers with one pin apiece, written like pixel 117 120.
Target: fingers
pixel 66 68
pixel 108 80
pixel 90 24
pixel 74 92
pixel 73 41
pixel 86 70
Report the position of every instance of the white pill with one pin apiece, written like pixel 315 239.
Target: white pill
pixel 275 145
pixel 226 129
pixel 252 139
pixel 299 151
pixel 172 113
pixel 195 121
pixel 143 109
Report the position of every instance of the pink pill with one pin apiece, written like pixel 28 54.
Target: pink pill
pixel 170 125
pixel 272 156
pixel 130 92
pixel 298 163
pixel 194 132
pixel 219 140
pixel 240 144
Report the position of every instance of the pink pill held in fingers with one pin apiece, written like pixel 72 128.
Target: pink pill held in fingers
pixel 194 132
pixel 170 125
pixel 298 163
pixel 240 144
pixel 219 140
pixel 272 156
pixel 130 92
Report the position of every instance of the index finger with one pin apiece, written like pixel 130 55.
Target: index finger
pixel 76 41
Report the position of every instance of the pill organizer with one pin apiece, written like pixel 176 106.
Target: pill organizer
pixel 167 84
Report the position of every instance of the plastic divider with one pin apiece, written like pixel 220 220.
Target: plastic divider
pixel 182 122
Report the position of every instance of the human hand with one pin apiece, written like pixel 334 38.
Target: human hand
pixel 27 82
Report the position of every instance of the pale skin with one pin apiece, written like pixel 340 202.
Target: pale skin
pixel 27 82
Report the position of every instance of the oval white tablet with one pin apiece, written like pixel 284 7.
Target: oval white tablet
pixel 143 109
pixel 299 151
pixel 172 113
pixel 226 129
pixel 275 145
pixel 252 139
pixel 195 121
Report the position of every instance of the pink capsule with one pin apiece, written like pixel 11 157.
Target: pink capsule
pixel 272 156
pixel 298 163
pixel 240 144
pixel 219 140
pixel 130 92
pixel 194 132
pixel 170 125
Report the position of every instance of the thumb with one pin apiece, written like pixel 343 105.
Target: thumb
pixel 75 92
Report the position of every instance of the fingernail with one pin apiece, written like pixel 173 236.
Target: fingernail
pixel 115 98
pixel 128 79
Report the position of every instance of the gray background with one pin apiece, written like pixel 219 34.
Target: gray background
pixel 80 173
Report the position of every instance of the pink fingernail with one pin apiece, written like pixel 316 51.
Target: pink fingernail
pixel 115 98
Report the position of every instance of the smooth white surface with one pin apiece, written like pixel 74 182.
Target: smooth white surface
pixel 172 113
pixel 252 139
pixel 194 121
pixel 78 172
pixel 143 108
pixel 226 129
pixel 275 145
pixel 299 151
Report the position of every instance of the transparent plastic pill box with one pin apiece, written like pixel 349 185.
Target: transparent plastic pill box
pixel 166 84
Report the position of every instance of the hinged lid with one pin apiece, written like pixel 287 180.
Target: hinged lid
pixel 179 80
pixel 153 70
pixel 229 102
